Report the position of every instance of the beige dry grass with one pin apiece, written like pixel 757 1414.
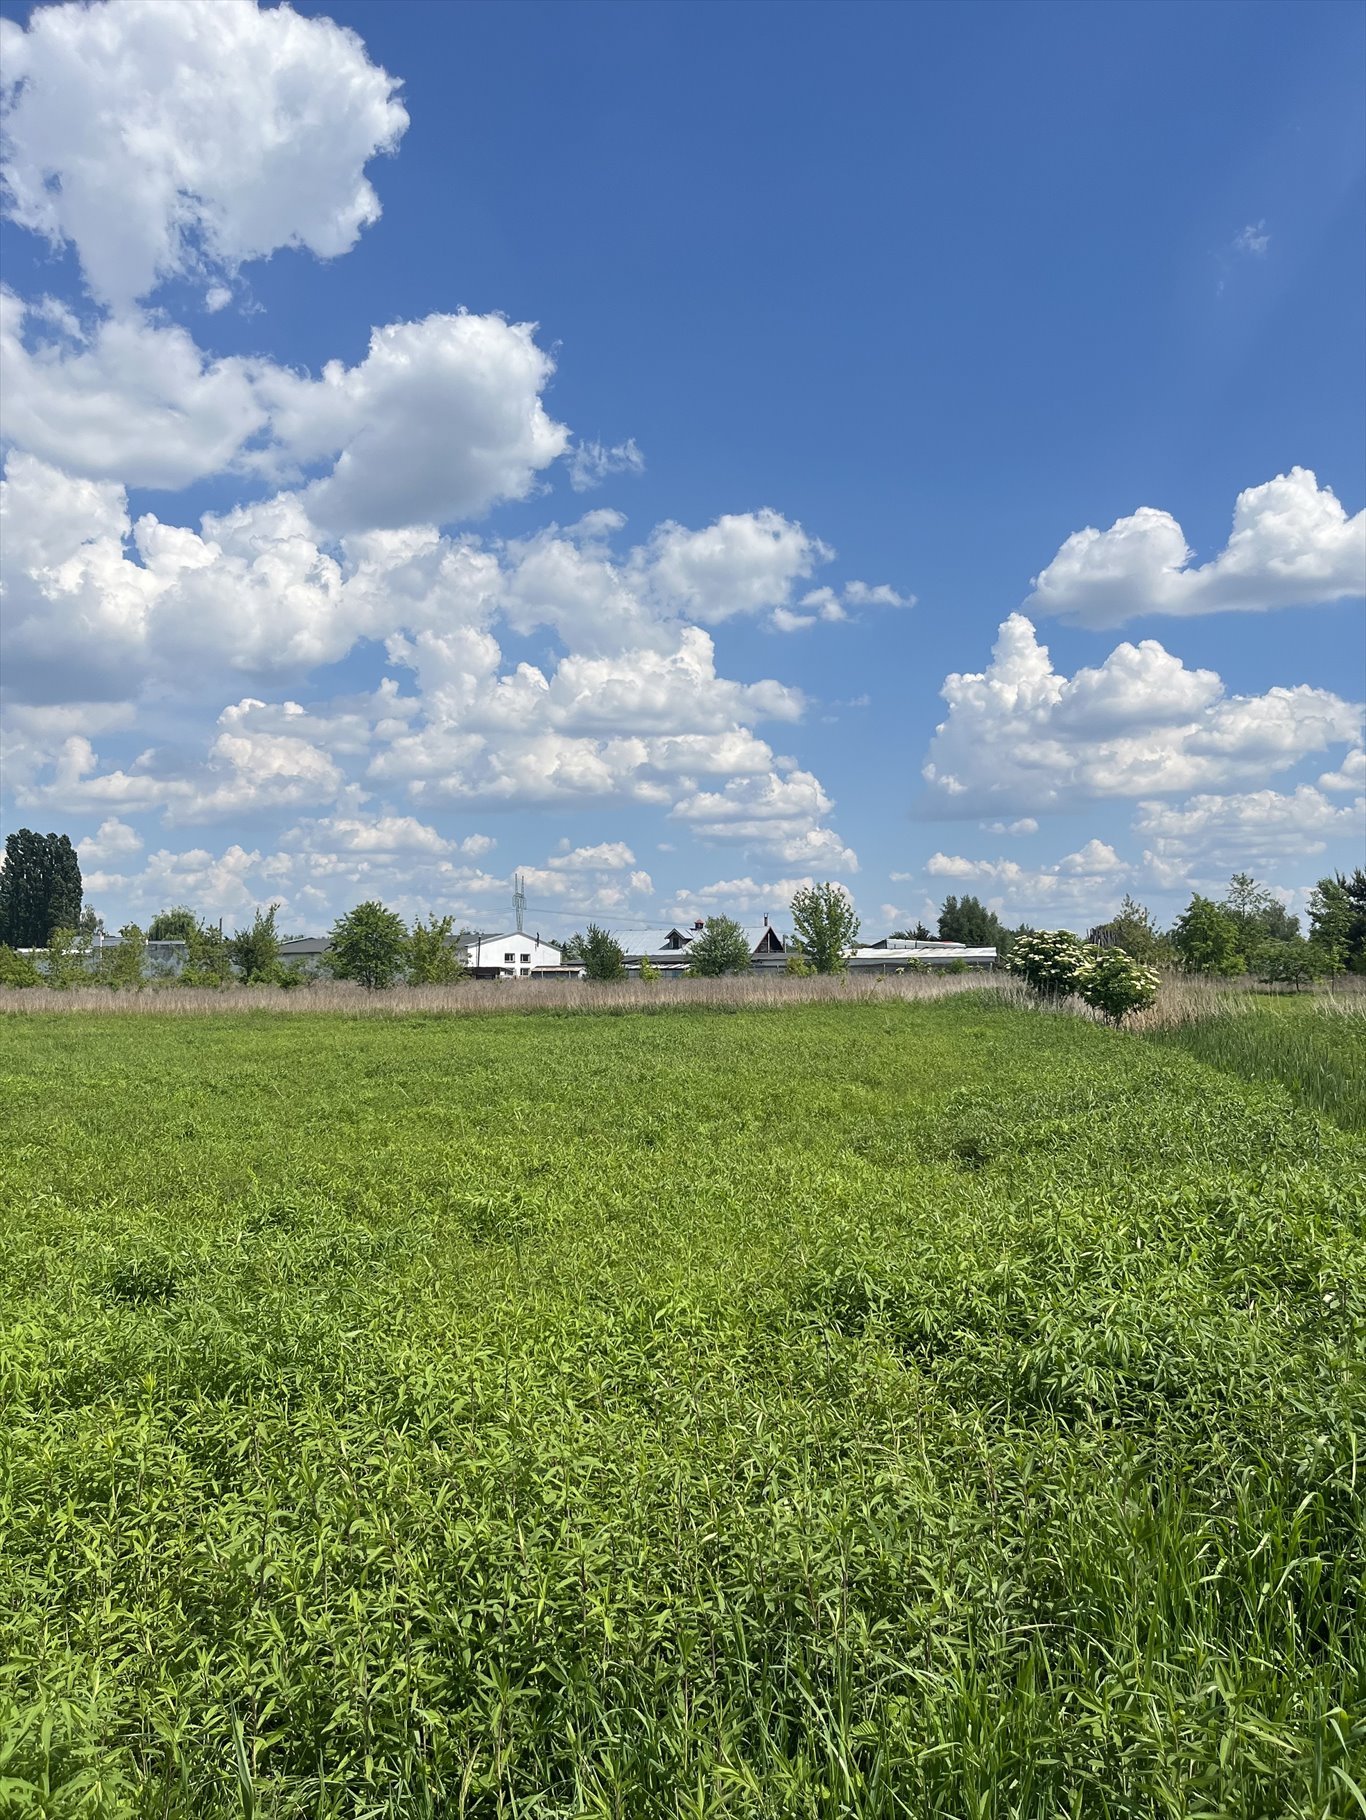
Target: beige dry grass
pixel 489 997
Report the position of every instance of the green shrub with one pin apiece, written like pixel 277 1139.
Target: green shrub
pixel 17 969
pixel 1114 983
pixel 1049 960
pixel 66 963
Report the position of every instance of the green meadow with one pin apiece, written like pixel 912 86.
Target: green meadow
pixel 887 1410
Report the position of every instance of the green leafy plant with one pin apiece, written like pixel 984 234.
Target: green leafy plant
pixel 67 960
pixel 1292 961
pixel 208 960
pixel 880 1406
pixel 123 964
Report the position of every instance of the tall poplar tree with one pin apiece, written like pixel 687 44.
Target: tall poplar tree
pixel 40 888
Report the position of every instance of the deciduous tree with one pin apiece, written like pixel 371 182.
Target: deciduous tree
pixel 1337 920
pixel 176 925
pixel 1207 938
pixel 369 946
pixel 825 926
pixel 600 954
pixel 40 888
pixel 722 947
pixel 255 952
pixel 122 964
pixel 1135 931
pixel 433 954
pixel 969 921
pixel 17 969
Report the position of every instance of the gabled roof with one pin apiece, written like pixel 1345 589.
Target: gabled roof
pixel 513 935
pixel 652 941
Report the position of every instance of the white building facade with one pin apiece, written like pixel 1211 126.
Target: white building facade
pixel 515 956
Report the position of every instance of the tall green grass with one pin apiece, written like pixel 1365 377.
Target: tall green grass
pixel 875 1410
pixel 1315 1047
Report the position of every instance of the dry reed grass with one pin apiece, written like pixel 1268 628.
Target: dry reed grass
pixel 1184 999
pixel 495 997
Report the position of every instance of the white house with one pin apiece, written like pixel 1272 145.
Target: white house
pixel 515 956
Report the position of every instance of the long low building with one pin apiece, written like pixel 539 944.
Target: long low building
pixel 895 956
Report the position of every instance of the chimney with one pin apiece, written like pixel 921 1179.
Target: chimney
pixel 766 922
pixel 699 924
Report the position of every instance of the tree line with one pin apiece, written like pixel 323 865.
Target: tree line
pixel 1247 931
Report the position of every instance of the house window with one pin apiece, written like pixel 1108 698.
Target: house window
pixel 509 957
pixel 526 957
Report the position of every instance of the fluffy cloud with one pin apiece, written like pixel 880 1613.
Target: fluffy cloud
pixel 243 773
pixel 1350 774
pixel 776 817
pixel 744 563
pixel 252 130
pixel 441 420
pixel 376 834
pixel 584 891
pixel 824 604
pixel 748 896
pixel 1250 830
pixel 607 856
pixel 1019 736
pixel 252 590
pixel 112 841
pixel 83 619
pixel 1026 824
pixel 1292 545
pixel 137 402
pixel 1081 887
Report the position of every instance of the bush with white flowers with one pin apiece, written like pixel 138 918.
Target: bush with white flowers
pixel 1114 983
pixel 1049 960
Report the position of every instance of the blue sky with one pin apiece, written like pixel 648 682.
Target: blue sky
pixel 868 341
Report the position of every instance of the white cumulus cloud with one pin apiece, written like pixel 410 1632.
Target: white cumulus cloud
pixel 1248 830
pixel 136 402
pixel 1292 544
pixel 174 137
pixel 441 420
pixel 1021 737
